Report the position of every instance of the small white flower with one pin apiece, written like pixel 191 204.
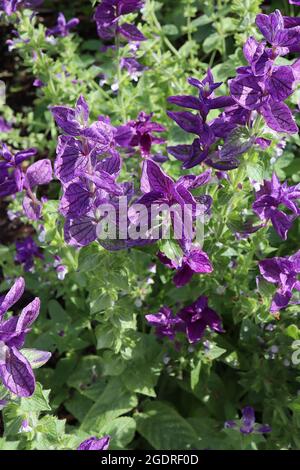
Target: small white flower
pixel 61 272
pixel 138 303
pixel 115 86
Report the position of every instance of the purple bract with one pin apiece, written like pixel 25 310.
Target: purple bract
pixel 15 370
pixel 93 443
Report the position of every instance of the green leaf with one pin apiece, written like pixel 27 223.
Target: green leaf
pixel 195 375
pixel 214 352
pixel 78 405
pixel 164 428
pixel 50 431
pixel 115 401
pixel 8 445
pixel 121 430
pixel 266 289
pixel 255 171
pixel 202 20
pixel 87 378
pixel 89 258
pixel 105 336
pixel 143 372
pixel 213 42
pixel 170 29
pixel 38 402
pixel 171 249
pixel 293 331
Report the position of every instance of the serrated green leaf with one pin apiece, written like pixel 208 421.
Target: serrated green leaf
pixel 164 428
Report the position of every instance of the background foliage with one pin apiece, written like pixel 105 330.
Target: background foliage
pixel 108 373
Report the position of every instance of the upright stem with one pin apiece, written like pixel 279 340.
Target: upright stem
pixel 165 39
pixel 1 425
pixel 119 78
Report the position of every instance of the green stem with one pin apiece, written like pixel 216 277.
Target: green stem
pixel 119 79
pixel 164 38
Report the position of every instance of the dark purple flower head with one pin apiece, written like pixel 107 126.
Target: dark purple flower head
pixel 140 133
pixel 88 167
pixel 11 6
pixel 284 273
pixel 194 261
pixel 206 100
pixel 207 133
pixel 108 15
pixel 270 197
pixel 14 178
pixel 15 370
pixel 283 40
pixel 247 425
pixel 266 94
pixel 258 56
pixel 26 251
pixel 63 26
pixel 96 138
pixel 197 317
pixel 263 86
pixel 165 323
pixel 85 196
pixel 72 120
pixel 93 443
pixel 159 189
pixel 254 91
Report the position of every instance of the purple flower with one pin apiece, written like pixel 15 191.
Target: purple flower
pixel 3 404
pixel 11 6
pixel 25 427
pixel 4 126
pixel 283 40
pixel 194 261
pixel 72 121
pixel 159 189
pixel 247 425
pixel 108 14
pixel 192 320
pixel 26 251
pixel 61 271
pixel 133 67
pixel 15 370
pixel 283 272
pixel 96 138
pixel 140 133
pixel 165 323
pixel 265 95
pixel 263 86
pixel 197 317
pixel 14 179
pixel 93 443
pixel 206 100
pixel 63 26
pixel 208 133
pixel 270 197
pixel 88 183
pixel 38 83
